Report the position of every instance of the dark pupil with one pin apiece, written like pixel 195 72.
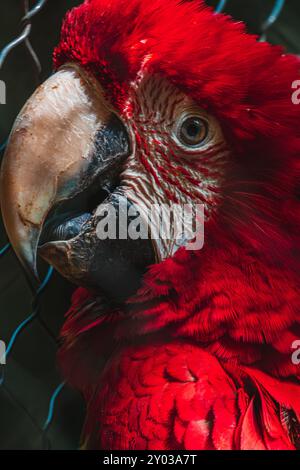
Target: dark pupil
pixel 193 131
pixel 193 128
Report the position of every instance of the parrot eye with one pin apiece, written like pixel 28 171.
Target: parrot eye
pixel 193 131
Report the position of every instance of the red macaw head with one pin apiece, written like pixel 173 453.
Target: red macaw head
pixel 154 102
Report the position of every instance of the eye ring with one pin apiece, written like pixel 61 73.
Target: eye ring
pixel 193 131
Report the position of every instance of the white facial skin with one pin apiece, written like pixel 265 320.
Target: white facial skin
pixel 179 154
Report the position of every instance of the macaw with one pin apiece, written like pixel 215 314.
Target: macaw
pixel 161 103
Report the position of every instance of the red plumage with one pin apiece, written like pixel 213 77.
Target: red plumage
pixel 200 358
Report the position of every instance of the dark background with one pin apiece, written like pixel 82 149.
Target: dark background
pixel 31 375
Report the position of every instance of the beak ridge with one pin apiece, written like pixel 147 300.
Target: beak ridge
pixel 51 155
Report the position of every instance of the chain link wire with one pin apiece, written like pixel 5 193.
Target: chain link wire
pixel 25 38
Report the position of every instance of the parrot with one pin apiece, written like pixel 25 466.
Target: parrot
pixel 167 103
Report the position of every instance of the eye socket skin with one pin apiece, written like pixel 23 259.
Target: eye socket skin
pixel 192 131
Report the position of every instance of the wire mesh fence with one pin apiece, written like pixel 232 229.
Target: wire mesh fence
pixel 21 329
pixel 19 410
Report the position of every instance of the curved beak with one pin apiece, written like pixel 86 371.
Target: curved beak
pixel 65 139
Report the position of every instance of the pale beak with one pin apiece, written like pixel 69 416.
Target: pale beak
pixel 52 154
pixel 63 161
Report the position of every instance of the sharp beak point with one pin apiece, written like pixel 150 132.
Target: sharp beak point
pixel 26 250
pixel 22 210
pixel 51 155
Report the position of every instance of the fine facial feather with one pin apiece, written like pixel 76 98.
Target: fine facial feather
pixel 163 169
